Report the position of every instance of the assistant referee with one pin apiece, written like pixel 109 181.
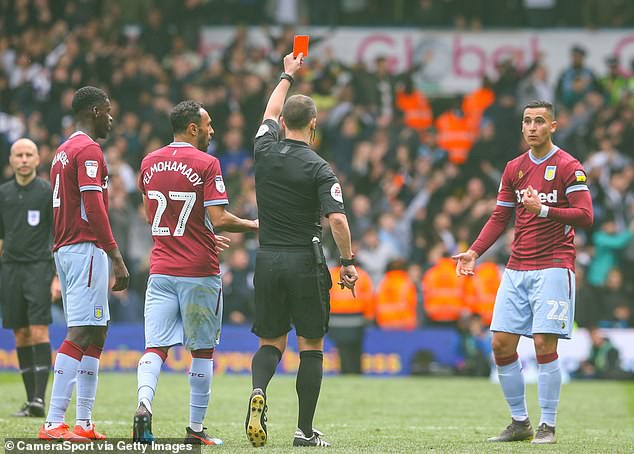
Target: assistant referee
pixel 293 186
pixel 26 217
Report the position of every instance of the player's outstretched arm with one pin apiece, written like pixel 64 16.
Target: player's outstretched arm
pixel 221 219
pixel 465 262
pixel 276 101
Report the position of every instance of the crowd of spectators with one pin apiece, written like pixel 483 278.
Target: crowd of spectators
pixel 411 200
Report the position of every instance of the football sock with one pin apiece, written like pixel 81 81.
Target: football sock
pixel 66 364
pixel 548 389
pixel 512 382
pixel 308 385
pixel 200 376
pixel 263 366
pixel 42 368
pixel 25 361
pixel 147 376
pixel 87 378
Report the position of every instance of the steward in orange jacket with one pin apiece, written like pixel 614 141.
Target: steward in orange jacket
pixel 416 110
pixel 349 317
pixel 455 135
pixel 481 290
pixel 443 295
pixel 396 302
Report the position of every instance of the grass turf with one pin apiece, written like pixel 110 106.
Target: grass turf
pixel 360 414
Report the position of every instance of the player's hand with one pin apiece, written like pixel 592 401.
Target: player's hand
pixel 531 200
pixel 121 275
pixel 348 277
pixel 292 64
pixel 465 263
pixel 222 243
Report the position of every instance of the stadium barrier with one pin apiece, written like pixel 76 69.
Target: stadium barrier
pixel 386 352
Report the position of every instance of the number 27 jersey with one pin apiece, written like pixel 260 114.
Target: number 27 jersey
pixel 179 182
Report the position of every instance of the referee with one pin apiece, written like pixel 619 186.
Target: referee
pixel 292 282
pixel 26 217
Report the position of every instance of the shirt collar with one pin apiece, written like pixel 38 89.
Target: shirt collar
pixel 535 160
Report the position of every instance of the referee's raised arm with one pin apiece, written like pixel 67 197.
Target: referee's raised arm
pixel 276 101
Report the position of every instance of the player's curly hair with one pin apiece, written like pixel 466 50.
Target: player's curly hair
pixel 298 111
pixel 88 97
pixel 539 103
pixel 184 113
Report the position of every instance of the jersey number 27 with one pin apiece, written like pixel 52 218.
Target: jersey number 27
pixel 189 198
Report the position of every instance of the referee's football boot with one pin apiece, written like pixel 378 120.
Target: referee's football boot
pixel 255 424
pixel 201 438
pixel 545 435
pixel 142 425
pixel 313 442
pixel 35 409
pixel 516 431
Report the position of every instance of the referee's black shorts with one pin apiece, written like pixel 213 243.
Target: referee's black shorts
pixel 26 294
pixel 290 287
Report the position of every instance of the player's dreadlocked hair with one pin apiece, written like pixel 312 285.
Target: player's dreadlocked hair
pixel 298 111
pixel 183 114
pixel 538 103
pixel 88 97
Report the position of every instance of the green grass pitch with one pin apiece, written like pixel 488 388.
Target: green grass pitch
pixel 361 414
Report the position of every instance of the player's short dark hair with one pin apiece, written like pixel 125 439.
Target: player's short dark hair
pixel 88 97
pixel 184 113
pixel 298 111
pixel 538 103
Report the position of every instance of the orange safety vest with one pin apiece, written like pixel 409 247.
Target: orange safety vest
pixel 455 135
pixel 443 292
pixel 342 301
pixel 481 290
pixel 416 109
pixel 475 103
pixel 396 301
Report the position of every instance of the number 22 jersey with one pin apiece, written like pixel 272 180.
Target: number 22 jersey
pixel 179 182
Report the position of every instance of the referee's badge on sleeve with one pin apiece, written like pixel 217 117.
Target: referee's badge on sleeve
pixel 263 130
pixel 335 192
pixel 33 217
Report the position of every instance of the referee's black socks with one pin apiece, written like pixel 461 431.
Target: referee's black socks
pixel 263 366
pixel 41 368
pixel 25 361
pixel 308 385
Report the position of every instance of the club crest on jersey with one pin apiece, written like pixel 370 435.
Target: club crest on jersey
pixel 220 185
pixel 549 175
pixel 33 217
pixel 91 168
pixel 98 312
pixel 580 176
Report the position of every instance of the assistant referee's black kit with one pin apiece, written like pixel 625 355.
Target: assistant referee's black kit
pixel 292 282
pixel 26 219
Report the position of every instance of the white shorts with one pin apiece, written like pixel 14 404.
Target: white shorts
pixel 83 275
pixel 183 310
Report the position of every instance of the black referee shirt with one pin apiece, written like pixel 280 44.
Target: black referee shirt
pixel 26 220
pixel 292 185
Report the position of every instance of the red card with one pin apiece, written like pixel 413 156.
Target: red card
pixel 300 45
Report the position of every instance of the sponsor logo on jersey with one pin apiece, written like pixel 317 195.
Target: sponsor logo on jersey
pixel 549 174
pixel 220 185
pixel 550 197
pixel 520 174
pixel 580 176
pixel 33 217
pixel 91 168
pixel 335 192
pixel 98 312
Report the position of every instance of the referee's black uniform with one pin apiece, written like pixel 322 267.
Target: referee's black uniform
pixel 293 184
pixel 26 219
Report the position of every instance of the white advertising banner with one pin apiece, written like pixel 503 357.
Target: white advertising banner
pixel 455 61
